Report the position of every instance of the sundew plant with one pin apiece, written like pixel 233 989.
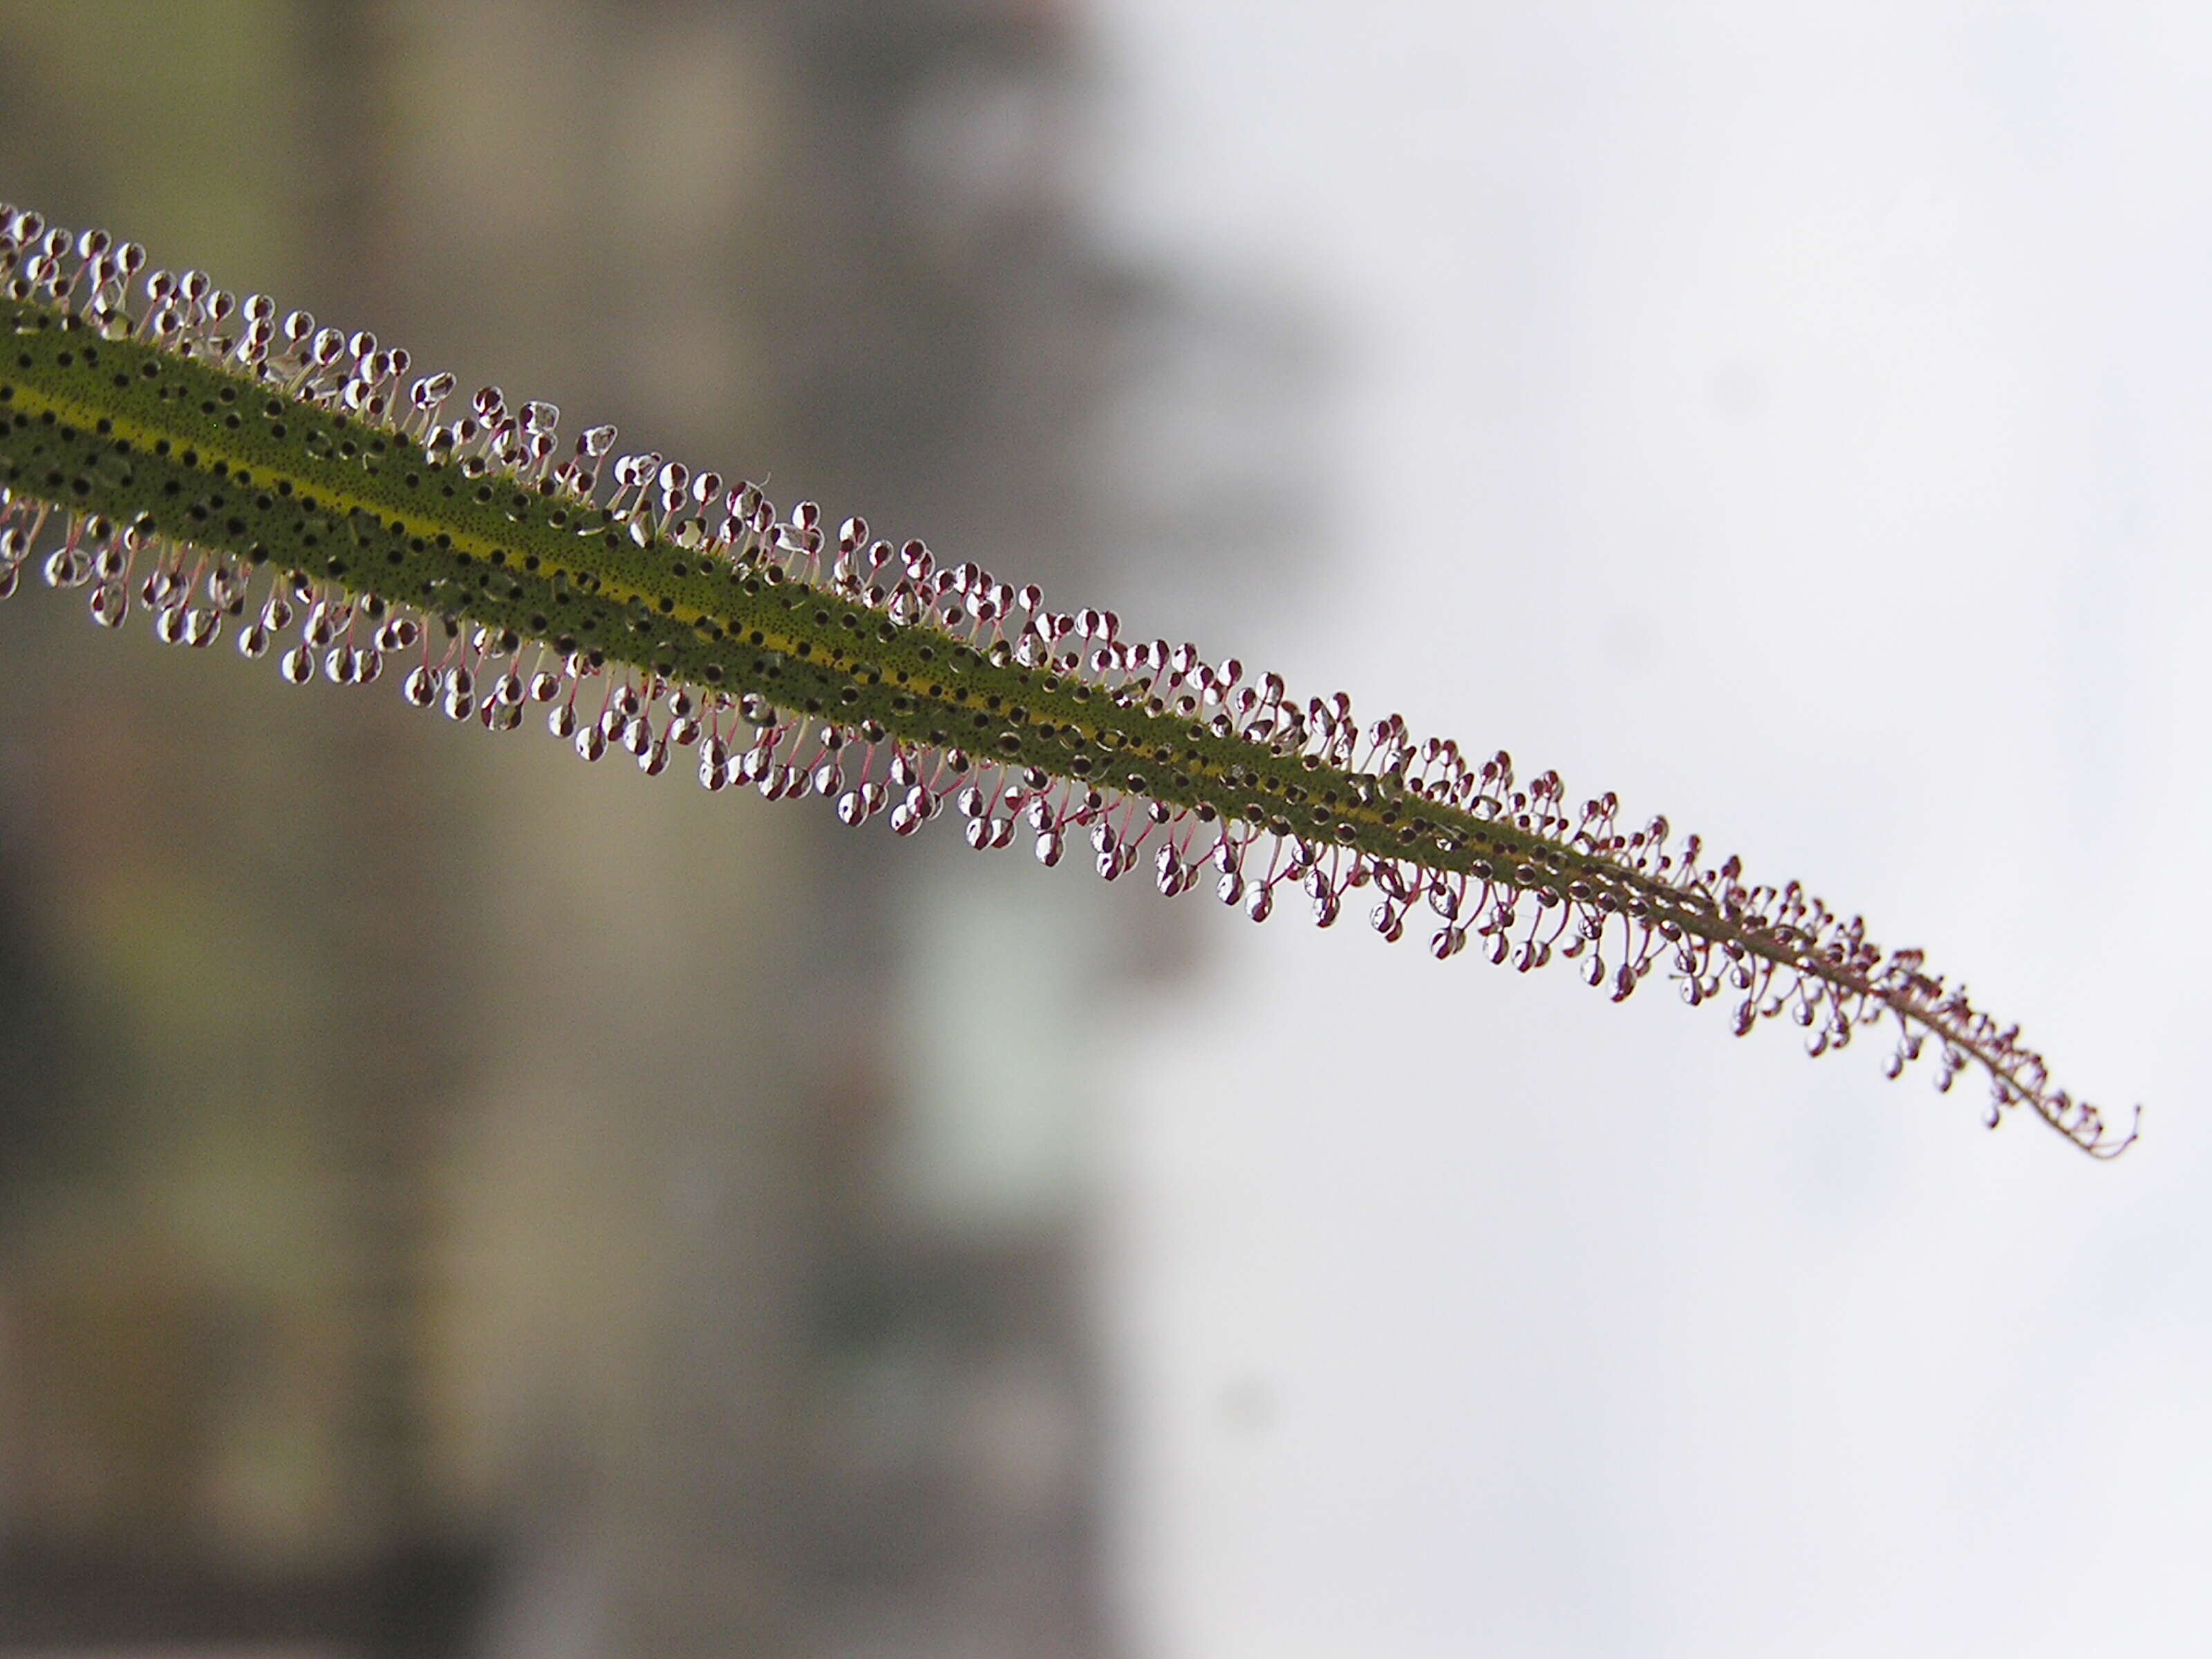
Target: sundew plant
pixel 233 470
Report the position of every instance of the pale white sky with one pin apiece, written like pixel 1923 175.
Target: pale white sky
pixel 1797 418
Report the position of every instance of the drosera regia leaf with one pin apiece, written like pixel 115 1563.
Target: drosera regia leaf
pixel 165 446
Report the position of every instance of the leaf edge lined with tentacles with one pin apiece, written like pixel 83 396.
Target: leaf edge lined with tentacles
pixel 175 455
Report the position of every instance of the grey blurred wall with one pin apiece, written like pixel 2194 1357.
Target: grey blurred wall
pixel 452 1199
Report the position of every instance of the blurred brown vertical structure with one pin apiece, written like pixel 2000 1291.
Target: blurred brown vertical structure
pixel 400 1057
pixel 219 1349
pixel 520 1259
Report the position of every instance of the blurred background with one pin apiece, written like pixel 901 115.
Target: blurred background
pixel 456 1201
